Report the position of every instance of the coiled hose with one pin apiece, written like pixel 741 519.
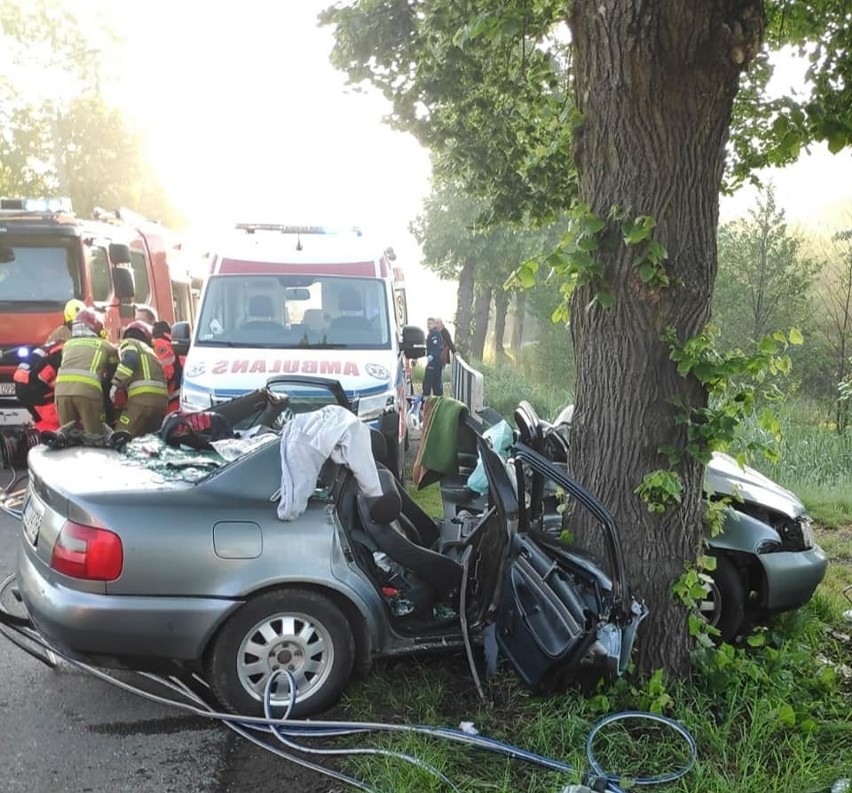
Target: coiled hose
pixel 192 696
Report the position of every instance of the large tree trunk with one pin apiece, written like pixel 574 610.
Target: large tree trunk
pixel 654 83
pixel 481 309
pixel 464 310
pixel 520 310
pixel 501 307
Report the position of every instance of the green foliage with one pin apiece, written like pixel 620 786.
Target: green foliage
pixel 764 280
pixel 485 90
pixel 572 263
pixel 812 458
pixel 60 135
pixel 506 384
pixel 737 384
pixel 771 714
pixel 660 490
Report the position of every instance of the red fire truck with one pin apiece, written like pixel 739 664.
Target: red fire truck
pixel 48 255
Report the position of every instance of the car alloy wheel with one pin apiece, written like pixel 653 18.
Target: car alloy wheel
pixel 287 630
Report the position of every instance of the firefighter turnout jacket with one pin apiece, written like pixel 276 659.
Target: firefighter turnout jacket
pixel 87 364
pixel 140 376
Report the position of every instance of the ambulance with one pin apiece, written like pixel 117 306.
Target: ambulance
pixel 304 300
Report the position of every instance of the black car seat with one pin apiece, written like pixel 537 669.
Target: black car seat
pixel 529 426
pixel 427 529
pixel 396 536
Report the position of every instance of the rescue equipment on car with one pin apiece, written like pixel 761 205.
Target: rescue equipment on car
pixel 197 430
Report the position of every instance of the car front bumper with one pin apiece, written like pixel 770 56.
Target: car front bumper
pixel 792 577
pixel 124 628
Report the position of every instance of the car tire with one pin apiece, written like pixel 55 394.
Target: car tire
pixel 724 605
pixel 292 629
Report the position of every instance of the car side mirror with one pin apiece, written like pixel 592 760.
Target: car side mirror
pixel 180 338
pixel 413 342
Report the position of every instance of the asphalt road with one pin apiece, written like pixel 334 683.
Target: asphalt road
pixel 64 731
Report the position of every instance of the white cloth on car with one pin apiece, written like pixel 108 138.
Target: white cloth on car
pixel 308 440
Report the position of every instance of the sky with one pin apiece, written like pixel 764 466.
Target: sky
pixel 245 119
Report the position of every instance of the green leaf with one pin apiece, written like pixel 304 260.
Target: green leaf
pixel 786 715
pixel 837 141
pixel 647 272
pixel 606 299
pixel 592 224
pixel 587 243
pixel 756 640
pixel 795 336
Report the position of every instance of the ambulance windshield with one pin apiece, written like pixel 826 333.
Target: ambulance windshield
pixel 295 311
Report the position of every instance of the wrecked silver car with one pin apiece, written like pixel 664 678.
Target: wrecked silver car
pixel 138 558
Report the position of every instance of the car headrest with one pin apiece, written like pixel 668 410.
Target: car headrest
pixel 379 445
pixel 260 306
pixel 385 508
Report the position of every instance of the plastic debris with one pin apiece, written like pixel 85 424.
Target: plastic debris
pixel 842 786
pixel 468 728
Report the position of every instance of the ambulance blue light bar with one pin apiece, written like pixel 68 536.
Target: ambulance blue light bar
pixel 251 228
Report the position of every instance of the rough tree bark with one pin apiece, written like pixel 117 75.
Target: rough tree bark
pixel 654 82
pixel 464 310
pixel 518 325
pixel 501 307
pixel 481 309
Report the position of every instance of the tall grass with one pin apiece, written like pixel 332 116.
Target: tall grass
pixel 816 461
pixel 506 385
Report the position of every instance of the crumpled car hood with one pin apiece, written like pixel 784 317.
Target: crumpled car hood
pixel 726 477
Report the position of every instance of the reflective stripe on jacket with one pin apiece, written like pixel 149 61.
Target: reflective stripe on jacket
pixel 139 372
pixel 86 362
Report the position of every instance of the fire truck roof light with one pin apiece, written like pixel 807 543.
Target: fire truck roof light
pixel 37 204
pixel 251 228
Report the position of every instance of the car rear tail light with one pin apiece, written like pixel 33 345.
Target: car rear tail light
pixel 87 552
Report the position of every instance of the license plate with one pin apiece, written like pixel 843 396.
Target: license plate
pixel 33 515
pixel 7 389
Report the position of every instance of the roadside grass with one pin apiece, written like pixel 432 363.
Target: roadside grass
pixel 773 713
pixel 775 717
pixel 506 385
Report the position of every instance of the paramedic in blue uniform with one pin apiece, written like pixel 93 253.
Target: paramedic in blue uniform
pixel 432 382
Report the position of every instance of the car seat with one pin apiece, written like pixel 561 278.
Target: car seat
pixel 397 537
pixel 354 318
pixel 260 311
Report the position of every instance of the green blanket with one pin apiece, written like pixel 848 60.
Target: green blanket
pixel 439 445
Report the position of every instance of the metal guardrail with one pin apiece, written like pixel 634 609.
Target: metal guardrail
pixel 468 384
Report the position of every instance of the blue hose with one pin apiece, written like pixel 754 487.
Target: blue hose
pixel 285 730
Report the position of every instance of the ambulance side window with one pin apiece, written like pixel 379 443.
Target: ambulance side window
pixel 99 274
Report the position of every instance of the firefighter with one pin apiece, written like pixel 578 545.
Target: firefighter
pixel 87 363
pixel 139 387
pixel 34 378
pixel 63 331
pixel 161 334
